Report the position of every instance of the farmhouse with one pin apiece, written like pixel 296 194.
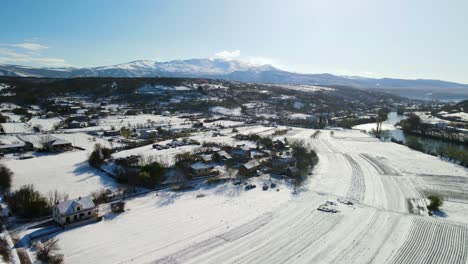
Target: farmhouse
pixel 111 133
pixel 201 169
pixel 222 156
pixel 249 168
pixel 58 144
pixel 280 165
pixel 241 154
pixel 19 147
pixel 148 133
pixel 72 211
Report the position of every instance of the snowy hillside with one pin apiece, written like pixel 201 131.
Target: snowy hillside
pixel 237 70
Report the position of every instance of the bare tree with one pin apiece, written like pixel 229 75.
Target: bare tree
pixel 48 251
pixel 44 141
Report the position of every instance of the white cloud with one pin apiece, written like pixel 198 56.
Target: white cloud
pixel 258 61
pixel 30 46
pixel 9 56
pixel 254 61
pixel 226 55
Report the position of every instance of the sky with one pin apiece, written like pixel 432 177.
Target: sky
pixel 373 38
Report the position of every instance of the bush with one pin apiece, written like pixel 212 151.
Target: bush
pixel 436 202
pixel 100 196
pixel 3 119
pixel 280 132
pixel 148 176
pixel 5 250
pixel 29 203
pixel 99 155
pixel 306 158
pixel 47 251
pixel 5 178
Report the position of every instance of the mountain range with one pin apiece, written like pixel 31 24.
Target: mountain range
pixel 236 70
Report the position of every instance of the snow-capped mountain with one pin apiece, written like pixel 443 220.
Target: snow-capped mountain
pixel 141 68
pixel 236 71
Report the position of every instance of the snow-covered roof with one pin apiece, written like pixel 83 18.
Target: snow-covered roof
pixel 251 164
pixel 18 145
pixel 57 142
pixel 224 154
pixel 200 166
pixel 69 206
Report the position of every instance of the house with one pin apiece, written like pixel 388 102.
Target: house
pixel 56 145
pixel 18 147
pixel 258 154
pixel 148 133
pixel 241 154
pixel 279 145
pixel 280 165
pixel 206 157
pixel 111 133
pixel 201 169
pixel 72 211
pixel 222 156
pixel 250 167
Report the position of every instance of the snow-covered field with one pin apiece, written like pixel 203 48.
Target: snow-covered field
pixel 461 116
pixel 226 111
pixel 66 172
pixel 230 225
pixel 119 121
pixel 45 124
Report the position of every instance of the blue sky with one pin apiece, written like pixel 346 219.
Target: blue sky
pixel 394 38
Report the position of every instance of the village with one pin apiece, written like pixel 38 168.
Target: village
pixel 112 167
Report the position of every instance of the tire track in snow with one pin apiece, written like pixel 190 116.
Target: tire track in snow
pixel 357 189
pixel 434 241
pixel 381 166
pixel 199 248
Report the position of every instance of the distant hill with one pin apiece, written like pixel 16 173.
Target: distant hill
pixel 241 71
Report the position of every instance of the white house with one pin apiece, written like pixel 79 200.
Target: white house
pixel 71 211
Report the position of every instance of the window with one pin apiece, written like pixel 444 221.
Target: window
pixel 78 208
pixel 89 213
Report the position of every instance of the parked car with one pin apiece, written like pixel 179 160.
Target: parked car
pixel 326 209
pixel 345 201
pixel 250 187
pixel 23 157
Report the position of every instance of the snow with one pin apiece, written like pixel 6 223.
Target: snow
pixel 66 172
pixel 144 120
pixel 153 225
pixel 226 111
pixel 299 116
pixel 231 225
pixel 372 126
pixel 307 88
pixel 16 128
pixel 461 115
pixel 46 124
pixel 9 139
pixel 152 89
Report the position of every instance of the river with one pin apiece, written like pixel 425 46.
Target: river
pixel 429 144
